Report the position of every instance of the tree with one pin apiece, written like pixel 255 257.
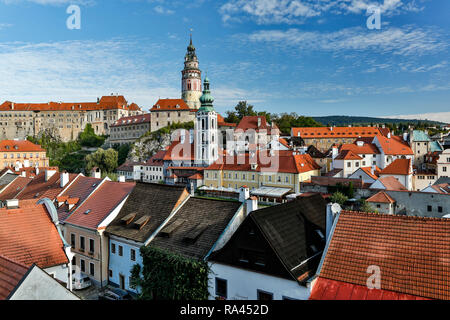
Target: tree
pixel 88 138
pixel 106 160
pixel 242 109
pixel 366 207
pixel 339 198
pixel 123 150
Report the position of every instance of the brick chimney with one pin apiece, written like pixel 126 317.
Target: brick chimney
pixel 64 179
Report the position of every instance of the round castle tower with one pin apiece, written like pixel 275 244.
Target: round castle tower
pixel 191 80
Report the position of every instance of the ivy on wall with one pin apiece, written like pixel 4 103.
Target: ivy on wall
pixel 169 276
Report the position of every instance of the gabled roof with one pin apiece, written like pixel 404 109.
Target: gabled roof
pixel 381 197
pixel 28 235
pixel 11 273
pixel 221 122
pixel 435 146
pixel 290 229
pixel 132 120
pixel 147 199
pixel 412 253
pixel 129 166
pixel 398 167
pixel 80 189
pixel 394 145
pixel 19 146
pixel 360 147
pixel 170 105
pixel 337 132
pixel 7 179
pixel 38 188
pixel 157 159
pixel 347 155
pixel 368 171
pixel 420 135
pixel 202 222
pixel 390 183
pixel 14 188
pixel 100 204
pixel 315 153
pixel 443 188
pixel 251 122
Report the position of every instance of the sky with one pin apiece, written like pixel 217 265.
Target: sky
pixel 312 57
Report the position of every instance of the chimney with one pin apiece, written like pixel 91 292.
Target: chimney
pixel 36 169
pixel 372 170
pixel 23 174
pixel 192 189
pixel 333 210
pixel 405 136
pixel 12 105
pixel 251 204
pixel 96 173
pixel 244 193
pixel 334 152
pixel 12 204
pixel 331 128
pixel 121 179
pixel 49 173
pixel 64 179
pixel 259 122
pixel 191 136
pixel 389 135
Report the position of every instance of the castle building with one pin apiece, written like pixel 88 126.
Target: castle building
pixel 191 80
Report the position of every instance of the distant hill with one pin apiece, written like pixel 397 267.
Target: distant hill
pixel 355 120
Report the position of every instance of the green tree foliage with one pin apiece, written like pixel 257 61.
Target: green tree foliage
pixel 123 151
pixel 242 109
pixel 348 190
pixel 339 198
pixel 168 276
pixel 106 160
pixel 287 121
pixel 366 207
pixel 89 139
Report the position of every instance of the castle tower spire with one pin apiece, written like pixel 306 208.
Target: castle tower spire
pixel 191 78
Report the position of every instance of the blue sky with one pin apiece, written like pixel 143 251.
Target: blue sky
pixel 313 57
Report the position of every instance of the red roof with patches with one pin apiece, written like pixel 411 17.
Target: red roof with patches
pixel 337 132
pixel 251 122
pixel 221 122
pixel 28 235
pixel 100 204
pixel 413 253
pixel 170 105
pixel 394 146
pixel 398 167
pixel 11 273
pixel 391 183
pixel 347 155
pixel 381 197
pixel 368 171
pixel 38 188
pixel 19 146
pixel 180 151
pixel 132 120
pixel 362 148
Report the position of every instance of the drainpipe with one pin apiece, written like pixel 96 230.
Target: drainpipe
pixel 100 232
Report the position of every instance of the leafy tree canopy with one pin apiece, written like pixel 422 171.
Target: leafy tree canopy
pixel 106 160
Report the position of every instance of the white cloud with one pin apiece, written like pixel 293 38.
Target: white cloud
pixel 407 40
pixel 296 11
pixel 162 10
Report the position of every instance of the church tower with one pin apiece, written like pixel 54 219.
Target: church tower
pixel 191 79
pixel 206 133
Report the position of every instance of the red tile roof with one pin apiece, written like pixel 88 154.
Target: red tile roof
pixel 443 188
pixel 105 103
pixel 284 143
pixel 14 188
pixel 180 151
pixel 413 253
pixel 368 171
pixel 281 161
pixel 394 146
pixel 157 159
pixel 251 122
pixel 101 204
pixel 38 188
pixel 19 146
pixel 170 105
pixel 221 122
pixel 11 273
pixel 391 183
pixel 347 155
pixel 196 176
pixel 326 289
pixel 337 132
pixel 28 235
pixel 366 148
pixel 132 120
pixel 381 197
pixel 398 167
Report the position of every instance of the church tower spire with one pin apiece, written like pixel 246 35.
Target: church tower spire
pixel 191 78
pixel 206 144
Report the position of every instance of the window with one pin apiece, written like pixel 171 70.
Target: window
pixel 81 243
pixel 110 273
pixel 221 288
pixel 120 251
pixel 91 269
pixel 440 209
pixel 133 255
pixel 444 169
pixel 72 240
pixel 91 245
pixel 429 208
pixel 349 164
pixel 263 295
pixel 82 267
pixel 74 261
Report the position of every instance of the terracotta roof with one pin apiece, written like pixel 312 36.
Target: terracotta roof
pixel 381 197
pixel 19 146
pixel 28 235
pixel 443 188
pixel 180 151
pixel 196 176
pixel 157 159
pixel 14 188
pixel 30 172
pixel 337 132
pixel 100 204
pixel 11 273
pixel 398 167
pixel 170 105
pixel 134 107
pixel 105 103
pixel 251 122
pixel 365 148
pixel 132 120
pixel 368 171
pixel 391 183
pixel 326 289
pixel 394 146
pixel 284 142
pixel 129 166
pixel 347 155
pixel 38 188
pixel 221 122
pixel 413 253
pixel 283 161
